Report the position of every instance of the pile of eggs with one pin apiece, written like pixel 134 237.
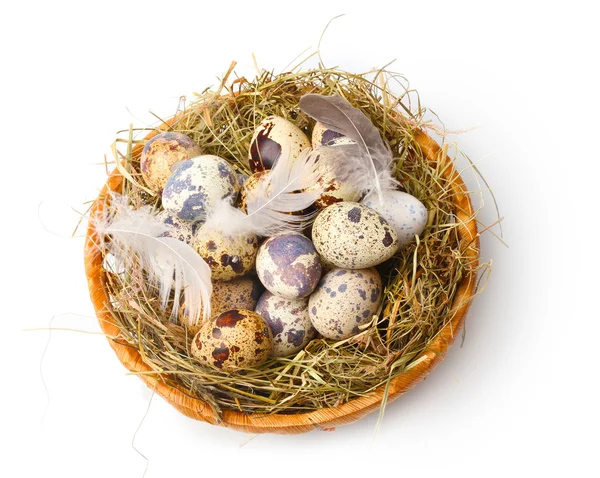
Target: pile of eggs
pixel 272 296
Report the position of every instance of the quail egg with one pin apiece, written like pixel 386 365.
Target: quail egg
pixel 405 213
pixel 160 153
pixel 353 236
pixel 242 293
pixel 198 185
pixel 181 230
pixel 234 339
pixel 275 136
pixel 335 190
pixel 288 265
pixel 323 136
pixel 229 257
pixel 250 187
pixel 344 300
pixel 289 322
pixel 254 188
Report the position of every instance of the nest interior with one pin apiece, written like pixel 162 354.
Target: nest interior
pixel 422 283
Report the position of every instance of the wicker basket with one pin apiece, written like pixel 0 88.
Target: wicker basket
pixel 326 418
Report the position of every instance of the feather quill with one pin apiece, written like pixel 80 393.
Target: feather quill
pixel 172 265
pixel 282 202
pixel 367 165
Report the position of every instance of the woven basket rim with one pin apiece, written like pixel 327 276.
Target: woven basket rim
pixel 325 418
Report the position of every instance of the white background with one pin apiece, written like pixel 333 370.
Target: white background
pixel 519 398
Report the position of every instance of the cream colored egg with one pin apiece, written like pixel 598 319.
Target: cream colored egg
pixel 344 300
pixel 198 185
pixel 323 136
pixel 180 230
pixel 353 236
pixel 236 294
pixel 334 189
pixel 289 323
pixel 160 153
pixel 240 293
pixel 234 339
pixel 405 213
pixel 252 186
pixel 229 257
pixel 273 137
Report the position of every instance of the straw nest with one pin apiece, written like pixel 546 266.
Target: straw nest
pixel 429 284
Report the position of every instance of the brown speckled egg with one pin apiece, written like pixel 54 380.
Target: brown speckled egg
pixel 240 293
pixel 160 153
pixel 353 236
pixel 343 301
pixel 250 186
pixel 323 136
pixel 198 185
pixel 234 339
pixel 228 257
pixel 334 189
pixel 289 322
pixel 274 136
pixel 182 230
pixel 288 265
pixel 254 187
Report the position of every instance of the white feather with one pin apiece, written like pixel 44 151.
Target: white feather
pixel 282 202
pixel 172 265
